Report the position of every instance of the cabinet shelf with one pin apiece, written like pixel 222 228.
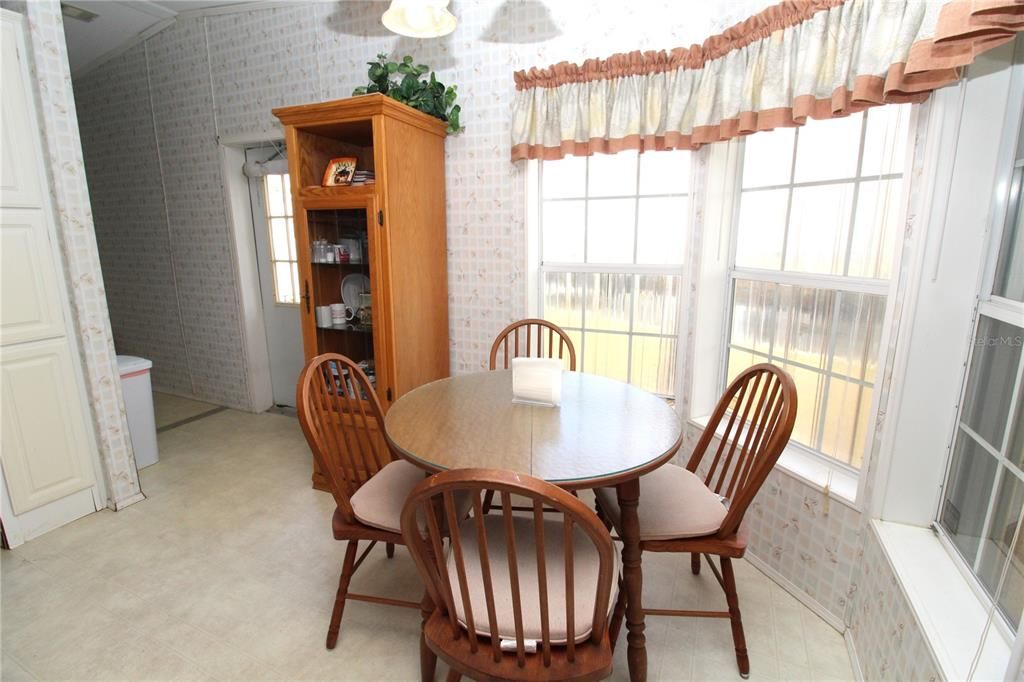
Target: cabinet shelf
pixel 338 192
pixel 359 265
pixel 358 328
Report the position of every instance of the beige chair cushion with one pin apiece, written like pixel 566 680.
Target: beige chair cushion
pixel 586 566
pixel 674 503
pixel 379 501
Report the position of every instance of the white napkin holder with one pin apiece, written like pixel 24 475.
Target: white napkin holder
pixel 537 381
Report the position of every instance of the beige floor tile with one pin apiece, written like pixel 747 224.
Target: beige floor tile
pixel 12 671
pixel 228 571
pixel 170 409
pixel 791 671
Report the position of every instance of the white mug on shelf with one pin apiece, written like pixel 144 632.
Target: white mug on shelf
pixel 323 316
pixel 340 314
pixel 337 314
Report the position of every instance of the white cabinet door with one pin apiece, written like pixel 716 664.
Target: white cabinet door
pixel 44 454
pixel 30 307
pixel 19 170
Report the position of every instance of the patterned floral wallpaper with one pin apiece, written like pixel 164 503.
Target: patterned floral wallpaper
pixel 800 533
pixel 63 149
pixel 888 639
pixel 158 109
pixel 123 165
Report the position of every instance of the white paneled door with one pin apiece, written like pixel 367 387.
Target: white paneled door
pixel 29 293
pixel 43 431
pixel 18 186
pixel 49 451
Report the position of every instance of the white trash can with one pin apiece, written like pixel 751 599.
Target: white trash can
pixel 138 402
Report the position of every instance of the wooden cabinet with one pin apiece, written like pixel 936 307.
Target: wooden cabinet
pixel 395 229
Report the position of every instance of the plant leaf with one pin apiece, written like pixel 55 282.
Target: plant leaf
pixel 430 96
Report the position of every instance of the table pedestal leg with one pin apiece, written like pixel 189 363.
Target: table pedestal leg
pixel 629 497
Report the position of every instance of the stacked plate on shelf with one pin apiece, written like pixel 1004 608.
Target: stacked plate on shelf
pixel 362 177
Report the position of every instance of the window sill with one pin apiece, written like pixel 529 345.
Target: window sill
pixel 835 481
pixel 949 611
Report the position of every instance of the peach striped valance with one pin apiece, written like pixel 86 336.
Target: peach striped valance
pixel 816 58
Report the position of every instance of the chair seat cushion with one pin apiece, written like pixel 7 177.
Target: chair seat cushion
pixel 378 502
pixel 674 503
pixel 586 564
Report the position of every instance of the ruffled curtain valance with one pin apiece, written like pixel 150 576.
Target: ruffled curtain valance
pixel 816 58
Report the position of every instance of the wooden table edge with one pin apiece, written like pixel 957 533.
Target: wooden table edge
pixel 608 481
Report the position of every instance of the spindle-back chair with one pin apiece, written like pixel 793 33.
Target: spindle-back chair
pixel 341 418
pixel 509 582
pixel 532 338
pixel 699 510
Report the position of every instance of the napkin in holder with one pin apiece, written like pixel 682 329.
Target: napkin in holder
pixel 537 381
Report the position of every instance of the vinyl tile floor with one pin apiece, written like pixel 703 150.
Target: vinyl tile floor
pixel 228 570
pixel 172 409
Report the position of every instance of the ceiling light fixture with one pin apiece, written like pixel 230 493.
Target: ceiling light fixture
pixel 419 18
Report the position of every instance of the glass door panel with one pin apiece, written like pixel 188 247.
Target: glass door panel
pixel 341 289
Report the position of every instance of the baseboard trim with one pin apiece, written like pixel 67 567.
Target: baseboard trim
pixel 801 596
pixel 851 650
pixel 138 497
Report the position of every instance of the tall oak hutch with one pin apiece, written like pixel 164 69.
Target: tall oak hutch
pixel 395 231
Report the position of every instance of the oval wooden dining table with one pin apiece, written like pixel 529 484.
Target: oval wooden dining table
pixel 604 433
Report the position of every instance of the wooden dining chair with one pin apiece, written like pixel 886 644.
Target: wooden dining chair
pixel 699 509
pixel 518 597
pixel 342 420
pixel 532 338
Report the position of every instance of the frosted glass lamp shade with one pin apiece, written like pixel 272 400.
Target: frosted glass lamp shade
pixel 419 18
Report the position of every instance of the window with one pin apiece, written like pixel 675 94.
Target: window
pixel 612 238
pixel 283 260
pixel 813 245
pixel 983 497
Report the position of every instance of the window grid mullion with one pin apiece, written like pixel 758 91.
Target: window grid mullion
pixel 634 280
pixel 856 194
pixel 829 355
pixel 1014 399
pixel 789 200
pixel 820 183
pixel 586 210
pixel 663 195
pixel 540 238
pixel 801 365
pixel 586 259
pixel 986 526
pixel 583 318
pixel 814 281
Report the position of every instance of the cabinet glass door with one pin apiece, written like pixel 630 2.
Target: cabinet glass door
pixel 341 281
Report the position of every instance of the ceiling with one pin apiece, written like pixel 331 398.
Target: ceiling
pixel 120 23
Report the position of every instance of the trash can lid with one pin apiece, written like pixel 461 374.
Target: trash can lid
pixel 130 364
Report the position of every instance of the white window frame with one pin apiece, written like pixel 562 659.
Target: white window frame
pixel 537 268
pixel 833 477
pixel 949 260
pixel 998 308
